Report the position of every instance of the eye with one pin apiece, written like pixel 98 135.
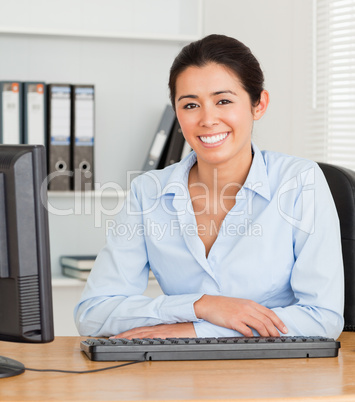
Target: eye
pixel 190 106
pixel 223 102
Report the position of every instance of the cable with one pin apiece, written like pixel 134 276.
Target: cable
pixel 84 372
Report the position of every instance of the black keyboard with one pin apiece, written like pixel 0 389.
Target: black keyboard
pixel 209 348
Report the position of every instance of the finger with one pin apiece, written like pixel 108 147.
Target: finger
pixel 243 329
pixel 273 317
pixel 263 325
pixel 259 324
pixel 131 333
pixel 260 318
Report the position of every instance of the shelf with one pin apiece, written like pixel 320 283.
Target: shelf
pixel 86 194
pixel 60 281
pixel 100 35
pixel 63 281
pixel 138 20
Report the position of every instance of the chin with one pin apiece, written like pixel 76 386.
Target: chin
pixel 213 157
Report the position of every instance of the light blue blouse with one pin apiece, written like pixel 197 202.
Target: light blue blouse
pixel 279 246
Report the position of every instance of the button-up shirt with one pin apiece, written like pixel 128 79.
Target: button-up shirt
pixel 279 245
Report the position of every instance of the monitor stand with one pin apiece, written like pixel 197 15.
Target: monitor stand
pixel 10 367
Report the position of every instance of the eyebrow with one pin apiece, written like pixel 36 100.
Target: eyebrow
pixel 227 91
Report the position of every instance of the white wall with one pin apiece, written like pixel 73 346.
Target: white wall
pixel 131 83
pixel 131 77
pixel 278 32
pixel 104 44
pixel 116 47
pixel 130 80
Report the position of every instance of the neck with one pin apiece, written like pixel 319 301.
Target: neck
pixel 227 177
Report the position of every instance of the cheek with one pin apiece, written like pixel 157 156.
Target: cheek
pixel 187 124
pixel 242 118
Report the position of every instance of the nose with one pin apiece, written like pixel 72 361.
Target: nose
pixel 209 116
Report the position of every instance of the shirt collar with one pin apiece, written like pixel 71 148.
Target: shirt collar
pixel 177 183
pixel 256 181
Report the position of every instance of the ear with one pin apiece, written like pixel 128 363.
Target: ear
pixel 260 109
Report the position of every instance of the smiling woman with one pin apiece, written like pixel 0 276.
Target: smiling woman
pixel 220 276
pixel 217 119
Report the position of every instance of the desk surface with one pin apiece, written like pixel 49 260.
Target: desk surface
pixel 306 379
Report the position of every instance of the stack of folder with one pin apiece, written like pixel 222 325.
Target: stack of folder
pixel 71 123
pixel 169 145
pixel 62 117
pixel 58 116
pixel 77 266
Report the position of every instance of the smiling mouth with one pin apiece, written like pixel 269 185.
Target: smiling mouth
pixel 213 139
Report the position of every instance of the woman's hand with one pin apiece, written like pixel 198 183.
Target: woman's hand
pixel 180 330
pixel 239 314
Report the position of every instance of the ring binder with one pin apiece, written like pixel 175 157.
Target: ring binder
pixel 10 112
pixel 34 113
pixel 58 148
pixel 160 141
pixel 83 128
pixel 175 146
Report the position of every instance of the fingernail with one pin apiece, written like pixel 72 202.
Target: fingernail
pixel 284 330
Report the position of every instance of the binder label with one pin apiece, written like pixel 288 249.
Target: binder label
pixel 11 113
pixel 60 115
pixel 84 116
pixel 35 113
pixel 158 144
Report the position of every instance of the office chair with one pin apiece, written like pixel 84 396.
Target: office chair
pixel 341 182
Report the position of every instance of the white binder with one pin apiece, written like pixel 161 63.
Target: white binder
pixel 10 112
pixel 34 112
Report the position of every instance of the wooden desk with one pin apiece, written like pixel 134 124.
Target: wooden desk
pixel 329 379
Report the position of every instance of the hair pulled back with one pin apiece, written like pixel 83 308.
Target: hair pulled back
pixel 223 50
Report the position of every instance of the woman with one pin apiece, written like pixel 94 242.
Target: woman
pixel 242 242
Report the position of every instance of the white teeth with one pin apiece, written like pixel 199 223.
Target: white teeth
pixel 214 138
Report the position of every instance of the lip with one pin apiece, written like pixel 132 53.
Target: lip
pixel 216 144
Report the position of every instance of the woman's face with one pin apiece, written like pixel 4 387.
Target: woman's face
pixel 215 112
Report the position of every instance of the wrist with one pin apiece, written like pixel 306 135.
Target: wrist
pixel 200 307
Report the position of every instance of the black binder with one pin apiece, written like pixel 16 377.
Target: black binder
pixel 83 128
pixel 34 113
pixel 11 112
pixel 58 144
pixel 161 139
pixel 175 146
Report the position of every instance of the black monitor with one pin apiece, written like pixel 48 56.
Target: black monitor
pixel 26 313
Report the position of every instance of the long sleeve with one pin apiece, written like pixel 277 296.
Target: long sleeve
pixel 113 300
pixel 298 269
pixel 317 277
pixel 279 246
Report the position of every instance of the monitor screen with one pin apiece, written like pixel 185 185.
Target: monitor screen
pixel 26 313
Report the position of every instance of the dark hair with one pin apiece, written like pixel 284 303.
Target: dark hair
pixel 223 50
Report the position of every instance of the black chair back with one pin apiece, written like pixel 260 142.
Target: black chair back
pixel 341 182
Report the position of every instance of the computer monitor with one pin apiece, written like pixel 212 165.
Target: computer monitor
pixel 26 313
